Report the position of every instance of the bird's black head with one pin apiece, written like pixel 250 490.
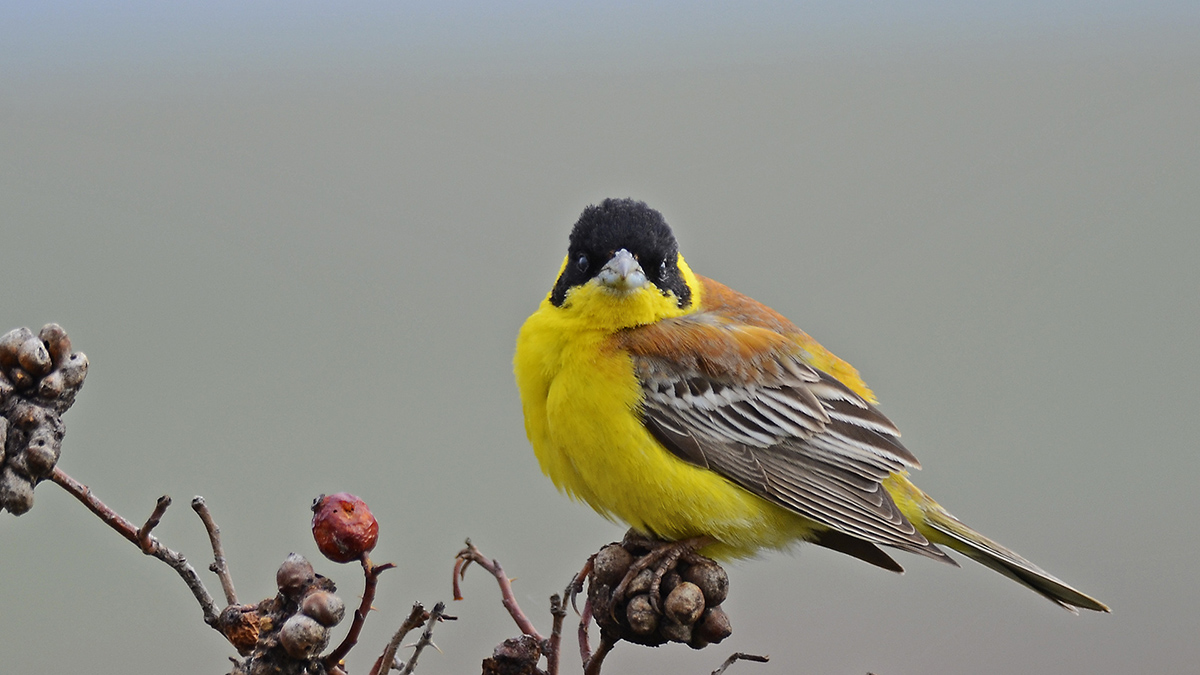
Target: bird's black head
pixel 617 224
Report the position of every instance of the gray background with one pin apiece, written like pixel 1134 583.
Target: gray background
pixel 296 242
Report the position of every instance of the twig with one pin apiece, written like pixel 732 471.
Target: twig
pixel 371 573
pixel 585 649
pixel 134 535
pixel 219 567
pixel 416 617
pixel 740 656
pixel 558 610
pixel 143 534
pixel 592 665
pixel 469 555
pixel 426 638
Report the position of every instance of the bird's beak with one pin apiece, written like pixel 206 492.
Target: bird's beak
pixel 622 273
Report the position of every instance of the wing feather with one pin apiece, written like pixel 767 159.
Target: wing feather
pixel 778 427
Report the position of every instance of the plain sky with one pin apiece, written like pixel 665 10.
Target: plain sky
pixel 296 241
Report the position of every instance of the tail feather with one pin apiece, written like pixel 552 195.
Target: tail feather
pixel 970 543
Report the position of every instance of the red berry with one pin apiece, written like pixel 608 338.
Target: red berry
pixel 343 527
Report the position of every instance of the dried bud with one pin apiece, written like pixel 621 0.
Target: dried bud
pixel 16 492
pixel 34 357
pixel 74 369
pixel 684 604
pixel 343 527
pixel 327 608
pixel 20 379
pixel 10 346
pixel 711 579
pixel 51 385
pixel 42 453
pixel 675 632
pixel 302 637
pixel 642 618
pixel 57 342
pixel 610 564
pixel 28 416
pixel 712 627
pixel 294 575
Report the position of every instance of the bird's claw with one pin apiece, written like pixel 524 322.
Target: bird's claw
pixel 662 556
pixel 575 587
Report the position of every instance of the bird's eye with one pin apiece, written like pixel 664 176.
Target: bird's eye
pixel 662 270
pixel 582 263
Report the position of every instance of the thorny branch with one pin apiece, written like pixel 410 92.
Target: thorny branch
pixel 426 637
pixel 469 555
pixel 245 621
pixel 142 539
pixel 415 619
pixel 371 573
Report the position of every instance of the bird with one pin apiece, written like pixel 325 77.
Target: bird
pixel 690 412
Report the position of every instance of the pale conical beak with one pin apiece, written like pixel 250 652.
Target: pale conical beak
pixel 622 273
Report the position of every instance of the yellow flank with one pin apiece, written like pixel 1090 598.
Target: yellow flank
pixel 580 398
pixel 914 504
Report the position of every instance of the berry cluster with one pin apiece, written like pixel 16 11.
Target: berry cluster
pixel 686 608
pixel 39 377
pixel 285 634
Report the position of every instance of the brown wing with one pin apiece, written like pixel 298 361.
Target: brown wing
pixel 738 400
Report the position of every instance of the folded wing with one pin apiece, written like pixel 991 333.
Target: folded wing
pixel 741 401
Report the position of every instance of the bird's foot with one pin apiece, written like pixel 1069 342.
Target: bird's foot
pixel 646 573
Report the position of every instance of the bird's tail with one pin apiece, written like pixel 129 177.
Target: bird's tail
pixel 942 528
